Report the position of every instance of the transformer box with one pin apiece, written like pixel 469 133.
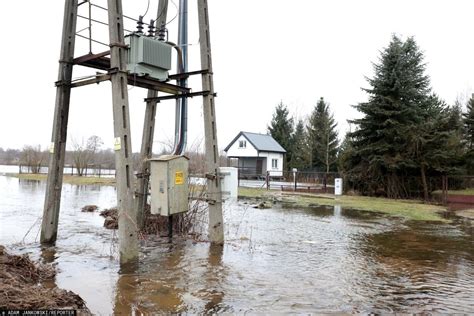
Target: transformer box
pixel 148 56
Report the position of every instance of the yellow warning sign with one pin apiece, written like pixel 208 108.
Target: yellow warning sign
pixel 179 177
pixel 117 144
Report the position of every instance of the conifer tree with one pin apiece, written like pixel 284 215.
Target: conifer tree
pixel 436 144
pixel 300 156
pixel 391 118
pixel 281 129
pixel 468 118
pixel 322 138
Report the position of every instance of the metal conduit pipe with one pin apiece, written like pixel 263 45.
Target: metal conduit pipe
pixel 181 118
pixel 179 51
pixel 180 122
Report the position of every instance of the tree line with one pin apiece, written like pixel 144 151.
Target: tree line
pixel 85 154
pixel 407 134
pixel 311 144
pixel 88 154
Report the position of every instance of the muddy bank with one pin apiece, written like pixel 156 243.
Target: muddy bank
pixel 23 286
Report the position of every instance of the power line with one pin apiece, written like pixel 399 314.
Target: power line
pixel 177 12
pixel 147 7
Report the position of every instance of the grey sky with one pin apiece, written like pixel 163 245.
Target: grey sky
pixel 265 51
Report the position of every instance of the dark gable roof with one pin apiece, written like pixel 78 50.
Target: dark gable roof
pixel 261 142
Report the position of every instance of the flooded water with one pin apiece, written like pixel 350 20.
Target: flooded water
pixel 275 260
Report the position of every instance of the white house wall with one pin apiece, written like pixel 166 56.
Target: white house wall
pixel 273 171
pixel 248 151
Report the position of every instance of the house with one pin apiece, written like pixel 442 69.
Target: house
pixel 255 154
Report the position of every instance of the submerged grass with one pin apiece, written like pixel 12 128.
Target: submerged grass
pixel 66 179
pixel 409 209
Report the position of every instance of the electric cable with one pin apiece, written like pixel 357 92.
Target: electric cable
pixel 159 15
pixel 147 7
pixel 177 13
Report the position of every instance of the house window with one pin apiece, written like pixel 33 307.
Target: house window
pixel 242 143
pixel 275 163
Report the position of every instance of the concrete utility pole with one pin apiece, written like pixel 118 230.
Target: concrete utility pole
pixel 148 134
pixel 49 225
pixel 128 227
pixel 216 223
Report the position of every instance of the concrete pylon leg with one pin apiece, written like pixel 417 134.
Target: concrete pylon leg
pixel 148 135
pixel 128 227
pixel 52 202
pixel 216 222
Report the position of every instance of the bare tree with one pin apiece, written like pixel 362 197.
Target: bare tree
pixel 32 157
pixel 83 154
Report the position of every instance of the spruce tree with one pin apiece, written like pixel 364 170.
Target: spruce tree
pixel 322 138
pixel 300 156
pixel 345 154
pixel 468 117
pixel 468 120
pixel 281 129
pixel 436 145
pixel 392 116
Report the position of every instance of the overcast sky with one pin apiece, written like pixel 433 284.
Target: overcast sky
pixel 264 51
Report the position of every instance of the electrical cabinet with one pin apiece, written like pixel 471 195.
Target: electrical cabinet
pixel 169 184
pixel 229 182
pixel 148 56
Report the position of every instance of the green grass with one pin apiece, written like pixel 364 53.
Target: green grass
pixel 409 209
pixel 255 193
pixel 66 179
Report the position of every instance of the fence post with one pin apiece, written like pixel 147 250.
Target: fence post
pixel 325 180
pixel 268 180
pixel 445 189
pixel 294 178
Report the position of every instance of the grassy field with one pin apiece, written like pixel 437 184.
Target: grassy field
pixel 409 209
pixel 66 179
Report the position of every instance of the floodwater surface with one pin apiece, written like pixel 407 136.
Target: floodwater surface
pixel 281 259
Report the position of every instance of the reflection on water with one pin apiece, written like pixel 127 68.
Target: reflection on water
pixel 48 256
pixel 283 259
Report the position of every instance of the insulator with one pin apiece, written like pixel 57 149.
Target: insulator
pixel 151 28
pixel 162 32
pixel 140 25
